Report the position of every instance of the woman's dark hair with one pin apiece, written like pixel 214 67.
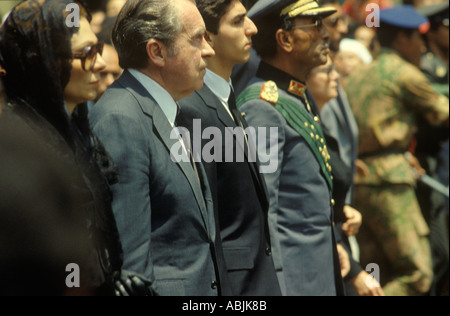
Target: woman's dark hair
pixel 212 12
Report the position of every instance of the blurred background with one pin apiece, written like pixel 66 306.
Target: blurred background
pixel 5 7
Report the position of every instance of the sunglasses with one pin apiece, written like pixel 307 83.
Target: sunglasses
pixel 89 56
pixel 318 23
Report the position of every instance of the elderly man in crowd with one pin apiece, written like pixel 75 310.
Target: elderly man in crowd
pixel 163 207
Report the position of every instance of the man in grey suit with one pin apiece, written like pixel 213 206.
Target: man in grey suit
pixel 163 208
pixel 300 190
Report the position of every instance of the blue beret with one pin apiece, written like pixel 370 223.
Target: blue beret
pixel 290 8
pixel 404 16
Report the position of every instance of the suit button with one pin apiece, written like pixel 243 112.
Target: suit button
pixel 268 252
pixel 214 285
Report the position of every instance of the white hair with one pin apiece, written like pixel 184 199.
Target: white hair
pixel 358 48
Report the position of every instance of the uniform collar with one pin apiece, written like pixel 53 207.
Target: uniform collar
pixel 283 80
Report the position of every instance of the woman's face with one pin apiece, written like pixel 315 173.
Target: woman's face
pixel 83 84
pixel 323 83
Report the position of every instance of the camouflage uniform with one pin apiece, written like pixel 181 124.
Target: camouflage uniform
pixel 386 97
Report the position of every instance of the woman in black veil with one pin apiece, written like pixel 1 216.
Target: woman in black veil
pixel 47 79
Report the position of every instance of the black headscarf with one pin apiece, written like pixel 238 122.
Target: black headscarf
pixel 36 52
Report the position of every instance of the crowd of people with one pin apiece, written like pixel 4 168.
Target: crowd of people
pixel 225 148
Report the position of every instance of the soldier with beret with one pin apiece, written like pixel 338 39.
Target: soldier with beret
pixel 291 42
pixel 386 97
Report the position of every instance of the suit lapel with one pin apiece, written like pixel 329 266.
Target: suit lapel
pixel 224 117
pixel 163 129
pixel 214 103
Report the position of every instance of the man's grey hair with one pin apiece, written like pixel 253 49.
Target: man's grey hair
pixel 141 21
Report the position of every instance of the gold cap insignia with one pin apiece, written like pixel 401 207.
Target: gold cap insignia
pixel 307 8
pixel 269 92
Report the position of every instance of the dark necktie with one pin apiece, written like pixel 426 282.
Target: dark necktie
pixel 239 120
pixel 234 111
pixel 187 144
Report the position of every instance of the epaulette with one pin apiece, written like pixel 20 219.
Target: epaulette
pixel 269 92
pixel 298 118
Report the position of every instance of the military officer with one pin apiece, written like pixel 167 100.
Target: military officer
pixel 300 189
pixel 386 97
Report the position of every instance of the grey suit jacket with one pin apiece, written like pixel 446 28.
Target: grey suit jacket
pixel 338 120
pixel 164 214
pixel 300 212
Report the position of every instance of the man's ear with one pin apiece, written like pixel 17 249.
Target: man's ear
pixel 156 52
pixel 284 40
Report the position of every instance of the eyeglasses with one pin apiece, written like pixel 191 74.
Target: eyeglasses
pixel 89 56
pixel 317 23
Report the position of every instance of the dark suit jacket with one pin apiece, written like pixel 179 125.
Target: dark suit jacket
pixel 241 204
pixel 164 214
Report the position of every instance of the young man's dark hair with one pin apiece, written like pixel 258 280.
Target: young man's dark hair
pixel 212 12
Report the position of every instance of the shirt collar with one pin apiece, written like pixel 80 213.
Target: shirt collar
pixel 219 86
pixel 161 96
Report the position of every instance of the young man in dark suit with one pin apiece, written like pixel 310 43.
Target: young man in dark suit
pixel 239 193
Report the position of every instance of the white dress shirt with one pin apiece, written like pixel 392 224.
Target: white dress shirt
pixel 220 87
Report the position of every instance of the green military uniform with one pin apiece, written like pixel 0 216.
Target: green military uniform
pixel 386 96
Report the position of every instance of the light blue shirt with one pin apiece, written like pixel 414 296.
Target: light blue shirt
pixel 161 96
pixel 220 87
